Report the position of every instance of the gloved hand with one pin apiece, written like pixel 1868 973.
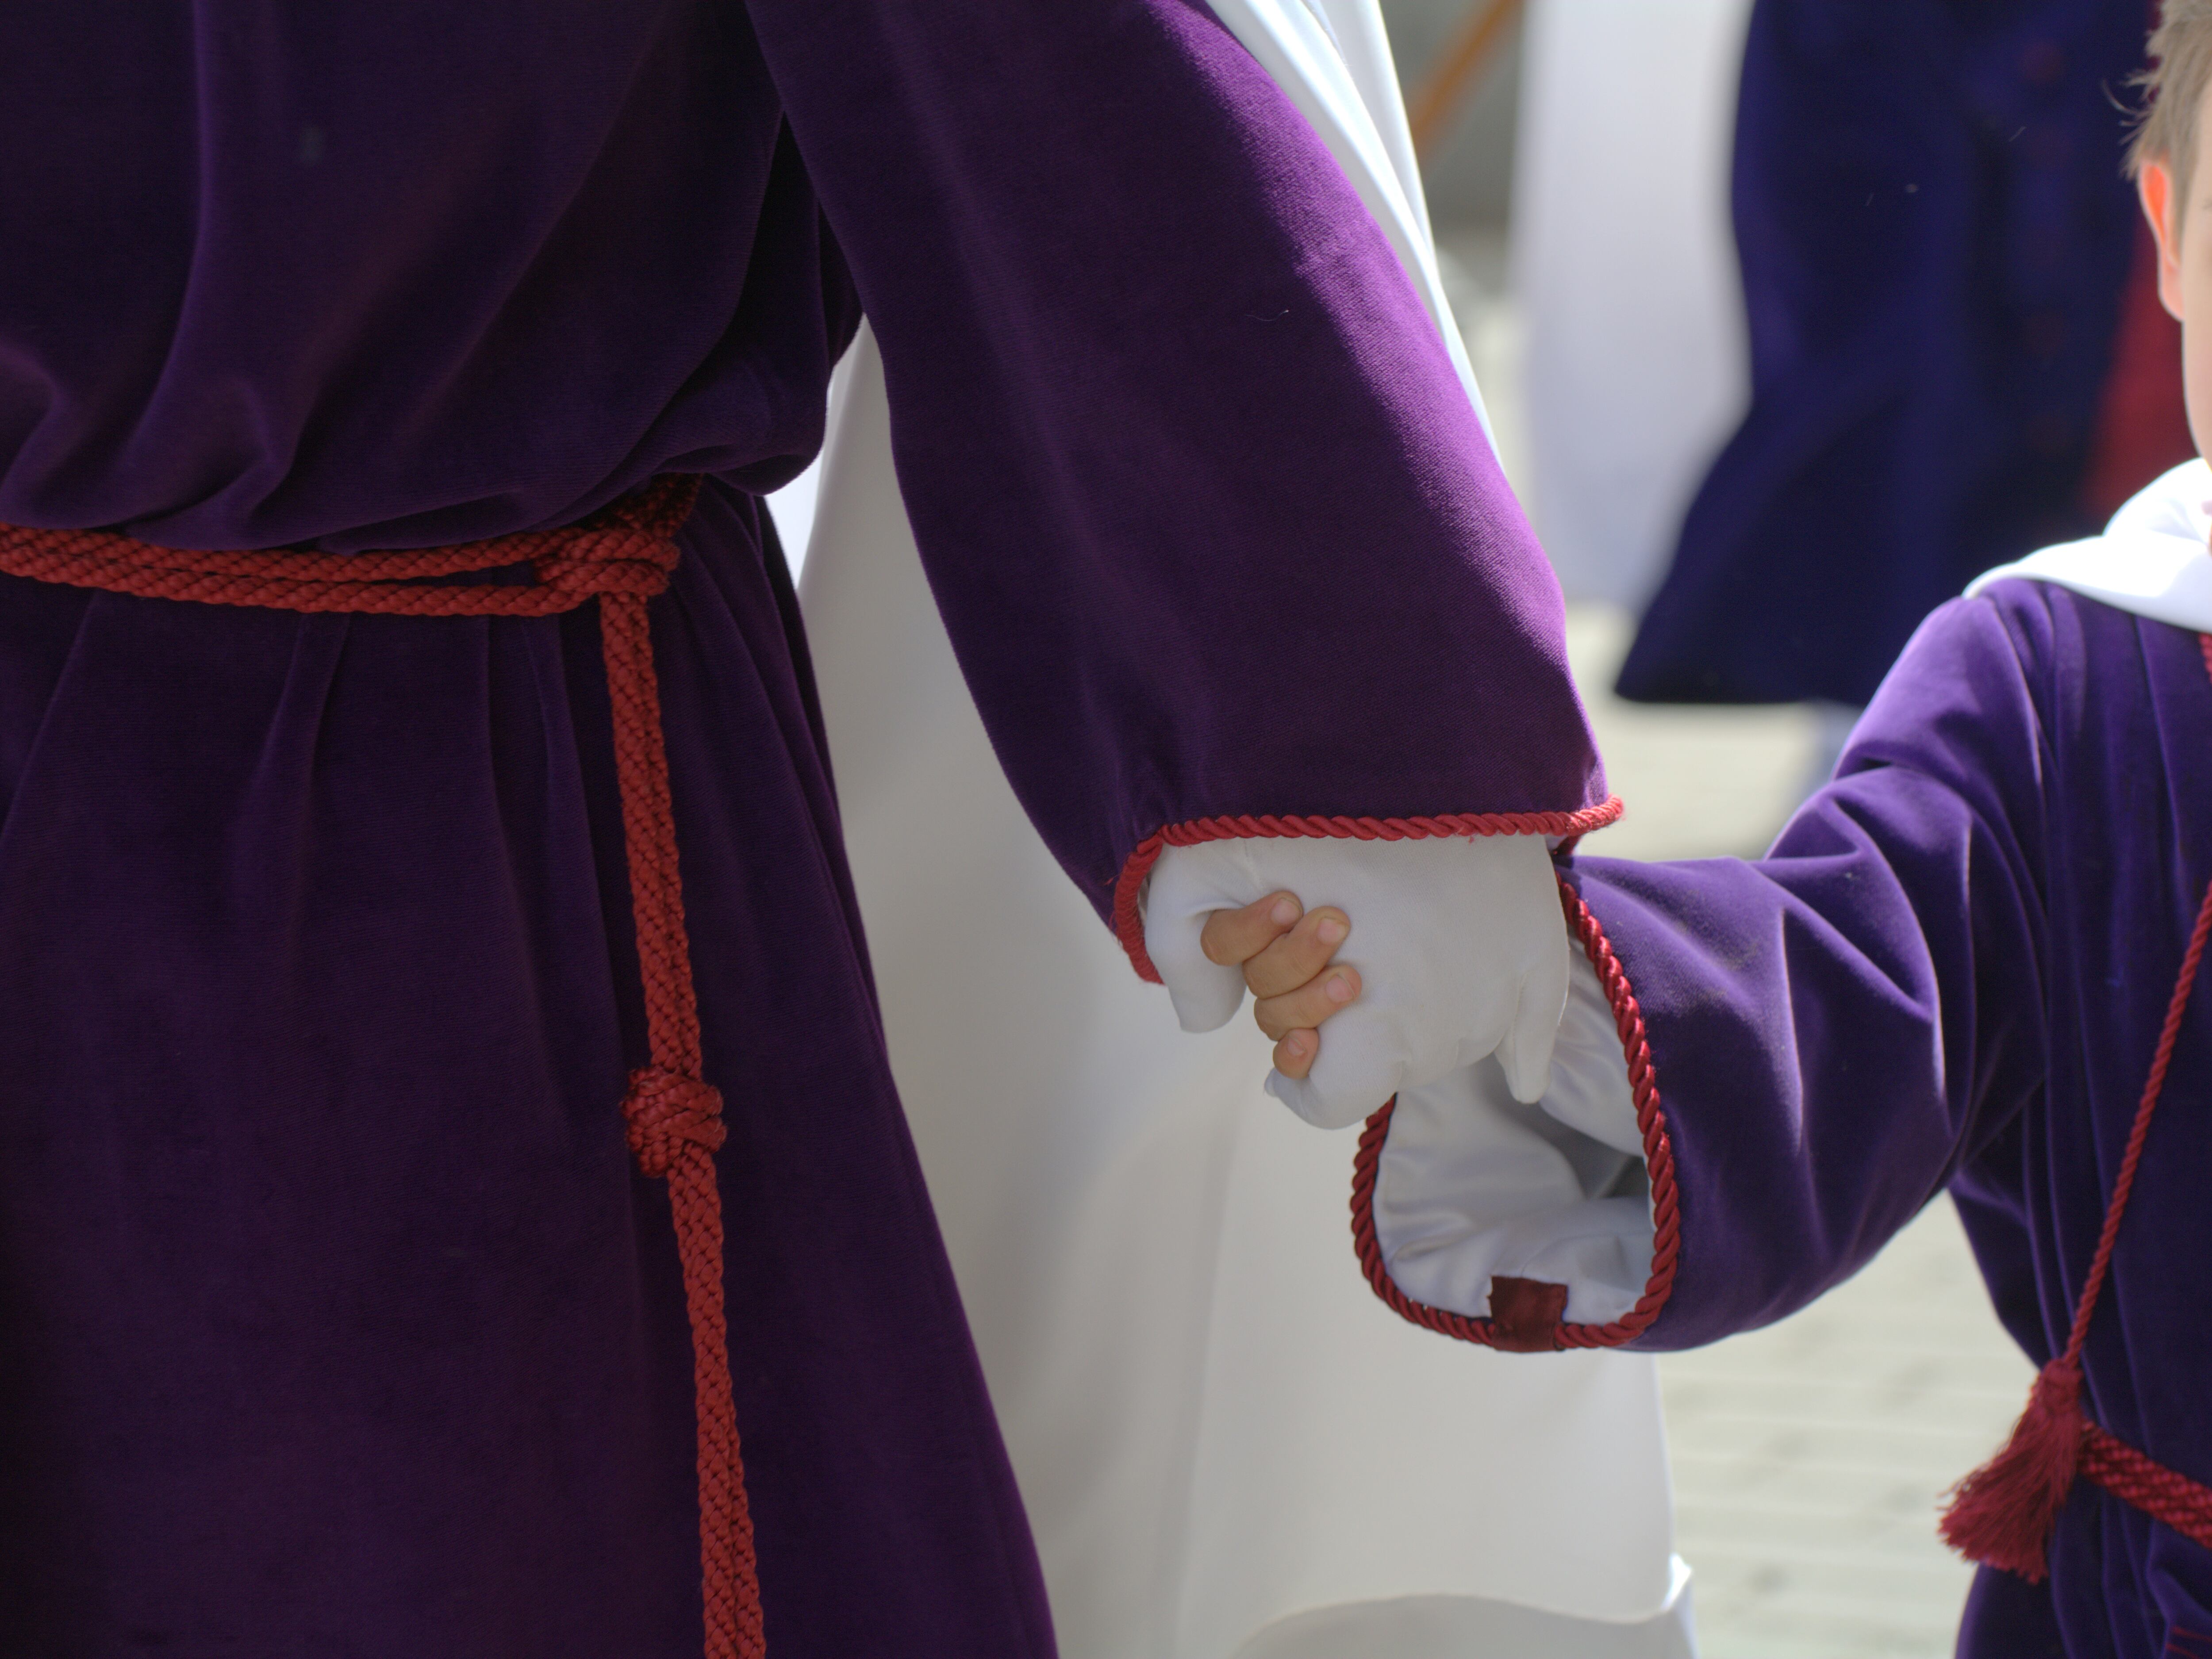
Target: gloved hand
pixel 1457 941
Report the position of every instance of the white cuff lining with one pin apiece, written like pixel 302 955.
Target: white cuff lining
pixel 1472 1185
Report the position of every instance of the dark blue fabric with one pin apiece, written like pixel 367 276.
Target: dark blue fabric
pixel 332 1319
pixel 1950 971
pixel 1934 234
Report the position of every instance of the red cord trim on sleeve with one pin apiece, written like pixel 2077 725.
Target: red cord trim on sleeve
pixel 1658 1161
pixel 1129 922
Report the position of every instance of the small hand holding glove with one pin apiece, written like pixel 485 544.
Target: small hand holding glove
pixel 1452 950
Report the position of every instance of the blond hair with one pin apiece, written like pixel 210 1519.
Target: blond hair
pixel 2181 52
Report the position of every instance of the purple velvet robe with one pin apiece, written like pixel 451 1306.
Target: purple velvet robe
pixel 332 1318
pixel 1952 970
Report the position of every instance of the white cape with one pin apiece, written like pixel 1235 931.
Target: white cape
pixel 2154 559
pixel 1226 1445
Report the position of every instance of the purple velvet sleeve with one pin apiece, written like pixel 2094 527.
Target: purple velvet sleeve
pixel 1173 430
pixel 1837 1028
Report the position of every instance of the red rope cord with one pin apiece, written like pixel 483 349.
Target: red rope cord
pixel 2124 1182
pixel 673 1117
pixel 2162 1493
pixel 1128 917
pixel 1658 1162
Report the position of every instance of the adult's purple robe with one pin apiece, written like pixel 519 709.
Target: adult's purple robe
pixel 333 1319
pixel 1950 971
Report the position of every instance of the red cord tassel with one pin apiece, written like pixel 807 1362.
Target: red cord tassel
pixel 2002 1515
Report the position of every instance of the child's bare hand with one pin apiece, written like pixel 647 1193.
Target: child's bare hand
pixel 1285 955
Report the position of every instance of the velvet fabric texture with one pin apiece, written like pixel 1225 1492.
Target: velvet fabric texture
pixel 332 1318
pixel 1935 236
pixel 1950 971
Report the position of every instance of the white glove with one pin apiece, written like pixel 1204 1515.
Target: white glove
pixel 1457 941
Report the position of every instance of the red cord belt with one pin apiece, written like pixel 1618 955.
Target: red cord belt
pixel 621 557
pixel 2003 1512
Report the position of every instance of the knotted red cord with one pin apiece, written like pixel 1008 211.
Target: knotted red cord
pixel 2002 1513
pixel 621 558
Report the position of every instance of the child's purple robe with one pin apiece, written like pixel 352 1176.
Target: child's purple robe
pixel 1952 970
pixel 333 1319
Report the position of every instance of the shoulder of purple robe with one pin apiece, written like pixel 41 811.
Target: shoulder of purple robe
pixel 1173 429
pixel 1817 1041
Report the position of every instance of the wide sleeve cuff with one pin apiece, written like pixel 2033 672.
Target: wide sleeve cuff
pixel 1529 1228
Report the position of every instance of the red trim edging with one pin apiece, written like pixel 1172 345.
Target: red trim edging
pixel 1129 924
pixel 1658 1161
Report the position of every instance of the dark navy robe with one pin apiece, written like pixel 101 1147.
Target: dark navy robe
pixel 1936 239
pixel 332 1318
pixel 1951 972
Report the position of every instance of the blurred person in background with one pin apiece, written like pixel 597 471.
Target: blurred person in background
pixel 1956 349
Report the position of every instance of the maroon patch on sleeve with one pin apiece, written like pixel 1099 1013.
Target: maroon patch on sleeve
pixel 1526 1314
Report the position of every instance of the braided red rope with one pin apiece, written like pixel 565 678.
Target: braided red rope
pixel 2163 1494
pixel 621 558
pixel 1128 918
pixel 1658 1161
pixel 2002 1514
